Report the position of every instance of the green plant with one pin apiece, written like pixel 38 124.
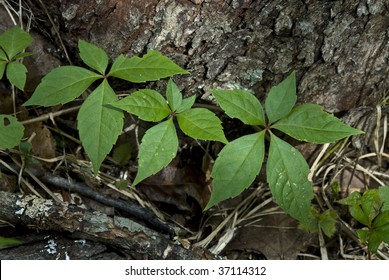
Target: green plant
pixel 12 43
pixel 240 161
pixel 5 242
pixel 372 210
pixel 160 143
pixel 99 123
pixel 99 120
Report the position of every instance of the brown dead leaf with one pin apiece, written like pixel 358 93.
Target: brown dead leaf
pixel 178 186
pixel 8 183
pixel 276 236
pixel 5 100
pixel 43 143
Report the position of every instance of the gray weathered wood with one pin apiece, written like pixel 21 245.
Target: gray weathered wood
pixel 44 215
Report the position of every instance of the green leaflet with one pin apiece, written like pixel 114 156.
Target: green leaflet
pixel 371 204
pixel 310 123
pixel 93 56
pixel 353 199
pixel 201 124
pixel 62 85
pixel 240 104
pixel 98 124
pixel 3 64
pixel 384 194
pixel 236 167
pixel 364 208
pixel 281 99
pixel 147 104
pixel 14 40
pixel 380 232
pixel 151 67
pixel 5 242
pixel 22 55
pixel 287 175
pixel 11 131
pixel 371 210
pixel 327 222
pixel 16 74
pixel 122 153
pixel 186 104
pixel 158 148
pixel 173 95
pixel 3 56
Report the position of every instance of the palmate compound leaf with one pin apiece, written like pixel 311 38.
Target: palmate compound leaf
pixel 364 208
pixel 236 167
pixel 99 125
pixel 158 148
pixel 325 221
pixel 152 66
pixel 147 104
pixel 200 123
pixel 93 56
pixel 310 123
pixel 287 175
pixel 240 104
pixel 62 85
pixel 16 74
pixel 281 99
pixel 11 131
pixel 14 40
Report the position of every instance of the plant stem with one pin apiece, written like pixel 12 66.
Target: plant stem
pixel 51 115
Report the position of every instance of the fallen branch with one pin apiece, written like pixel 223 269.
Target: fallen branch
pixel 137 211
pixel 43 214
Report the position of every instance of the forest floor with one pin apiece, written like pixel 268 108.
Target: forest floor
pixel 250 226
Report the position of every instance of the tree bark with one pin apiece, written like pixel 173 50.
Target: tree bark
pixel 339 48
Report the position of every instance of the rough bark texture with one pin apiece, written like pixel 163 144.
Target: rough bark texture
pixel 339 48
pixel 45 215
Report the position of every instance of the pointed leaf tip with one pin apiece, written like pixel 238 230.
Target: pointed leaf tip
pixel 173 95
pixel 287 175
pixel 147 104
pixel 281 99
pixel 62 85
pixel 240 104
pixel 93 56
pixel 152 66
pixel 158 148
pixel 310 123
pixel 236 167
pixel 99 125
pixel 14 40
pixel 200 123
pixel 16 74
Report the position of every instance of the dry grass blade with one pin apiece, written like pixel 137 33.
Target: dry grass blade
pixel 56 32
pixel 22 181
pixel 227 221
